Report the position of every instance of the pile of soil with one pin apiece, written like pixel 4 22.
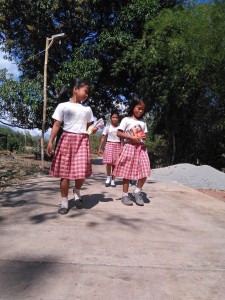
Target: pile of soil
pixel 204 178
pixel 16 169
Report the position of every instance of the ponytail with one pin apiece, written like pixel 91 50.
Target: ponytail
pixel 64 94
pixel 67 90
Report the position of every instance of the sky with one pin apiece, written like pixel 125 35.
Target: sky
pixel 12 68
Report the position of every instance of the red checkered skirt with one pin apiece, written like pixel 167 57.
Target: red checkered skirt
pixel 111 153
pixel 133 163
pixel 72 158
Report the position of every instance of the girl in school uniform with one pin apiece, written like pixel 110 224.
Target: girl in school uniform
pixel 72 154
pixel 133 163
pixel 112 148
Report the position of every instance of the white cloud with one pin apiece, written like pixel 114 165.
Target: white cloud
pixel 9 65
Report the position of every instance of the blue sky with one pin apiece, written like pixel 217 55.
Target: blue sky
pixel 12 68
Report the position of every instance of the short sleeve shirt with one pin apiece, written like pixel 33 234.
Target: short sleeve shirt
pixel 128 123
pixel 74 116
pixel 133 127
pixel 111 133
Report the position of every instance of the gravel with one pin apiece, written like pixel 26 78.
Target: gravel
pixel 198 177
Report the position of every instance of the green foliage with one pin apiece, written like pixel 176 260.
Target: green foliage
pixel 179 65
pixel 97 33
pixel 18 141
pixel 94 142
pixel 21 101
pixel 171 55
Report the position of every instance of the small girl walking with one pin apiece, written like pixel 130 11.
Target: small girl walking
pixel 133 163
pixel 72 154
pixel 112 148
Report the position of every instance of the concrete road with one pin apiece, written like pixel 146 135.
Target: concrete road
pixel 173 248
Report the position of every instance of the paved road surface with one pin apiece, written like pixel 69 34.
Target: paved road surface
pixel 173 248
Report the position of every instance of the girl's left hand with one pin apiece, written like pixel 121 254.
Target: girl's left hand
pixel 49 149
pixel 100 152
pixel 135 140
pixel 142 136
pixel 94 130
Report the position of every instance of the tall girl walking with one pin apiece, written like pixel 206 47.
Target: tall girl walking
pixel 72 158
pixel 133 163
pixel 112 148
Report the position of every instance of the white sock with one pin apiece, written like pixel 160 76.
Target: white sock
pixel 137 190
pixel 125 194
pixel 64 202
pixel 108 179
pixel 76 192
pixel 112 182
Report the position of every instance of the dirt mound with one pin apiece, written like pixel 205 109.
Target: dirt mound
pixel 198 177
pixel 15 169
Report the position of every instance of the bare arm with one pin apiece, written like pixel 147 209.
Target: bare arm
pixel 101 144
pixel 93 129
pixel 55 130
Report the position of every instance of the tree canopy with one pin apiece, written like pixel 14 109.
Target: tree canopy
pixel 170 53
pixel 97 33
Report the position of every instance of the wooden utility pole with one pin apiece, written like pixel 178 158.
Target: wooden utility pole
pixel 49 42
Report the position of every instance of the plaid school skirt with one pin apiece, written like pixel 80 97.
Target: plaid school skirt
pixel 72 158
pixel 133 163
pixel 111 153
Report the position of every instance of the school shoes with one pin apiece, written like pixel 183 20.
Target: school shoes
pixel 126 200
pixel 138 199
pixel 63 210
pixel 78 202
pixel 112 184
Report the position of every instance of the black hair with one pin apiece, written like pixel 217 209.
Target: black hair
pixel 77 83
pixel 132 105
pixel 64 95
pixel 67 91
pixel 114 112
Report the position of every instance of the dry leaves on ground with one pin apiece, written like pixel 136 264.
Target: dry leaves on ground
pixel 15 169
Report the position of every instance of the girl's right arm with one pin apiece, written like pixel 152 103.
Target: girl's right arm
pixel 55 130
pixel 101 144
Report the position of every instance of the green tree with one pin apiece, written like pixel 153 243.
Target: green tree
pixel 21 101
pixel 17 140
pixel 97 33
pixel 178 65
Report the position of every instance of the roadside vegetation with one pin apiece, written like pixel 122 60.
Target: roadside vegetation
pixel 20 157
pixel 171 53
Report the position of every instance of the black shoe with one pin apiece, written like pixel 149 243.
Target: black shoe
pixel 107 184
pixel 78 203
pixel 63 210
